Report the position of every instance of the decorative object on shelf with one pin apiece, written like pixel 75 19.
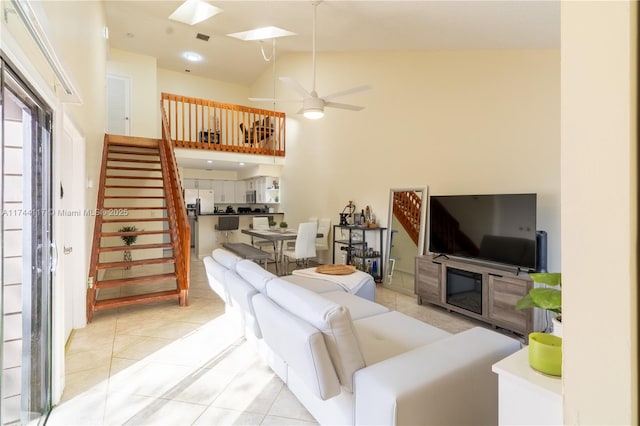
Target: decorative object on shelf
pixel 272 223
pixel 348 211
pixel 283 225
pixel 545 353
pixel 128 240
pixel 547 298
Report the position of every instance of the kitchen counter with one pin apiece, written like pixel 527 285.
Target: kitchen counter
pixel 239 214
pixel 208 238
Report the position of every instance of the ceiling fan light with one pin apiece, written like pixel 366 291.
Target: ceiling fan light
pixel 192 12
pixel 313 113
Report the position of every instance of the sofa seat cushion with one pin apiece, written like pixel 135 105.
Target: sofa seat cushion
pixel 389 334
pixel 358 307
pixel 254 274
pixel 333 320
pixel 314 284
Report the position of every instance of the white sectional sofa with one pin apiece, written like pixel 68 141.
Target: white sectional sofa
pixel 351 361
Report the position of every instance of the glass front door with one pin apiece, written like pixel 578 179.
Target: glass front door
pixel 26 252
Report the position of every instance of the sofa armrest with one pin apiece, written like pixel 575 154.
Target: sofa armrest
pixel 446 382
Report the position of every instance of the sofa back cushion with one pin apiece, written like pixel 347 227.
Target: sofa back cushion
pixel 241 293
pixel 299 344
pixel 226 258
pixel 255 275
pixel 333 320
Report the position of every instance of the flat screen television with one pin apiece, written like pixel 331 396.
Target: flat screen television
pixel 498 228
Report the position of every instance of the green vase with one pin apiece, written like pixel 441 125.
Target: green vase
pixel 545 353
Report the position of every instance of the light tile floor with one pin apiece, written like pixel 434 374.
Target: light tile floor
pixel 162 364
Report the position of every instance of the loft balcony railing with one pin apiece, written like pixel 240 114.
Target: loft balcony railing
pixel 208 125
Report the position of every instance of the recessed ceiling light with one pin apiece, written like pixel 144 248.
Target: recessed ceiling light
pixel 193 11
pixel 264 33
pixel 242 164
pixel 209 161
pixel 192 56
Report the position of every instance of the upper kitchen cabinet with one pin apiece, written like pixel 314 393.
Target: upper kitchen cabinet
pixel 224 191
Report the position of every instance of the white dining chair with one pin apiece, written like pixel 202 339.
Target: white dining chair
pixel 261 223
pixel 305 247
pixel 322 243
pixel 324 227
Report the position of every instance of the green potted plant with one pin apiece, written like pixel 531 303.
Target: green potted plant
pixel 548 298
pixel 283 225
pixel 272 223
pixel 128 240
pixel 545 351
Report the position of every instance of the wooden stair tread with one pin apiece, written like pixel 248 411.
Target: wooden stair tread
pixel 140 169
pixel 136 299
pixel 133 177
pixel 132 160
pixel 156 261
pixel 143 150
pixel 136 208
pixel 134 247
pixel 156 197
pixel 136 280
pixel 120 234
pixel 133 187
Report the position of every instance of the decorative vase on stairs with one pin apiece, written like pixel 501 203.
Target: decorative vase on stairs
pixel 127 258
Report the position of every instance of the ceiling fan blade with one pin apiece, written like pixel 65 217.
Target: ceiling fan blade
pixel 295 86
pixel 348 92
pixel 343 106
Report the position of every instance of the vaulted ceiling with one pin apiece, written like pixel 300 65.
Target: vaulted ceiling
pixel 143 27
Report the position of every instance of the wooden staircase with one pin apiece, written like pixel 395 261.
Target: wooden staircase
pixel 406 208
pixel 138 188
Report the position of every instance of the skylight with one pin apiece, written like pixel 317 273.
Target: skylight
pixel 192 12
pixel 264 33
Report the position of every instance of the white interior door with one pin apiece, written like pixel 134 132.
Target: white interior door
pixel 118 105
pixel 73 254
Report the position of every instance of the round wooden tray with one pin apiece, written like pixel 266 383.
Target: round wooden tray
pixel 336 269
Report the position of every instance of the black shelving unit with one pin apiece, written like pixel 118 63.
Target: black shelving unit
pixel 358 250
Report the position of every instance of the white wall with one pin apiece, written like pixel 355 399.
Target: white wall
pixel 457 121
pixel 145 100
pixel 204 88
pixel 599 212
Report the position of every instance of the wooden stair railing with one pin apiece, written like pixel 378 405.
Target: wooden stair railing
pixel 406 208
pixel 179 220
pixel 129 195
pixel 208 125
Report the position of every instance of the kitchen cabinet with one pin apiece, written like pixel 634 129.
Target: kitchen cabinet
pixel 224 191
pixel 240 189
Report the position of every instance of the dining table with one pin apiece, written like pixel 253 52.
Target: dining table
pixel 277 236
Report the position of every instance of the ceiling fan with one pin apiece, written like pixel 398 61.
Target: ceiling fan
pixel 312 104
